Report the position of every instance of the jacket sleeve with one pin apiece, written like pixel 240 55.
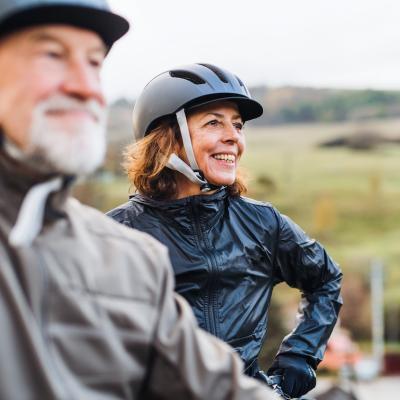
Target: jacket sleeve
pixel 304 264
pixel 188 363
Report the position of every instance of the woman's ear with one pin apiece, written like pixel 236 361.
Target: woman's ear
pixel 180 152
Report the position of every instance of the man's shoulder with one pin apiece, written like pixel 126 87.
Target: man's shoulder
pixel 98 222
pixel 104 227
pixel 129 252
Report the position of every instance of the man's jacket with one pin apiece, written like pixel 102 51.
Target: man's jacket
pixel 228 253
pixel 88 312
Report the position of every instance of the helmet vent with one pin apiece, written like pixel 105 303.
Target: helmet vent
pixel 189 76
pixel 217 71
pixel 242 84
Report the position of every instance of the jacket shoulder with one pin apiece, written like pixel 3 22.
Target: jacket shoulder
pixel 123 258
pixel 97 222
pixel 126 213
pixel 257 206
pixel 128 241
pixel 253 202
pixel 284 223
pixel 258 214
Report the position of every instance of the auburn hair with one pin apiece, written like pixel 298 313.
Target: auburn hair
pixel 145 163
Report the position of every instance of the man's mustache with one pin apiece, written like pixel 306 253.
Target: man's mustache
pixel 60 103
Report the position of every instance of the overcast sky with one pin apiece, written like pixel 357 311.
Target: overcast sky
pixel 328 43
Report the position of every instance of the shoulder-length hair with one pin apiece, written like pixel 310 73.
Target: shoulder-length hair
pixel 145 163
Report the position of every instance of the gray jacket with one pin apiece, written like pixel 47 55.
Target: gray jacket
pixel 88 312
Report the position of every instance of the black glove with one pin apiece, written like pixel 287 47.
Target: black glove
pixel 298 377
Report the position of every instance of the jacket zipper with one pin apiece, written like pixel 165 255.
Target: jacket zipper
pixel 211 300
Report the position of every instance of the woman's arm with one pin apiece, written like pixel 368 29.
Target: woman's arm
pixel 304 264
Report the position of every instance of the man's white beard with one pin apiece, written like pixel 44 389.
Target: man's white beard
pixel 73 148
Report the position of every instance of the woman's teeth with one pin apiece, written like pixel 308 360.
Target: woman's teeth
pixel 225 157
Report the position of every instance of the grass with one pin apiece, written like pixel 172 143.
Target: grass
pixel 349 200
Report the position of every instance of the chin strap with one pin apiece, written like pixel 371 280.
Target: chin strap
pixel 187 142
pixel 191 172
pixel 175 163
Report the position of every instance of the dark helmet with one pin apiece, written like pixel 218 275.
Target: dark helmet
pixel 94 15
pixel 186 87
pixel 178 90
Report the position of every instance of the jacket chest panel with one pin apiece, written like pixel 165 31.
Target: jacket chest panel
pixel 79 308
pixel 218 253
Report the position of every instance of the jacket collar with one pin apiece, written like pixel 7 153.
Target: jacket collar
pixel 17 178
pixel 200 199
pixel 206 208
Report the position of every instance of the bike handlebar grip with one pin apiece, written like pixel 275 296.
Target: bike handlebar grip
pixel 273 379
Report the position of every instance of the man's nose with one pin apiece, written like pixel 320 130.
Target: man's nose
pixel 82 81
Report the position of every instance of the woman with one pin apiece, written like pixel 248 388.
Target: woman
pixel 228 251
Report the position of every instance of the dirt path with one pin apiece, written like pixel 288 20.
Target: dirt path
pixel 385 388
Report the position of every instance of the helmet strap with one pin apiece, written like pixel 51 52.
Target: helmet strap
pixel 175 163
pixel 187 142
pixel 191 172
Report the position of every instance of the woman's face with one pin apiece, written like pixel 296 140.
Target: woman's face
pixel 218 140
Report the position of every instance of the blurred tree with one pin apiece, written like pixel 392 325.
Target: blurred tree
pixel 114 158
pixel 356 314
pixel 276 332
pixel 392 324
pixel 88 192
pixel 324 215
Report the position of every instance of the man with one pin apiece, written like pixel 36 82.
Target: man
pixel 87 309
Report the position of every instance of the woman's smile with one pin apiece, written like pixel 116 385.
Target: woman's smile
pixel 218 141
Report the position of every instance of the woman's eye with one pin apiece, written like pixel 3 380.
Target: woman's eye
pixel 214 122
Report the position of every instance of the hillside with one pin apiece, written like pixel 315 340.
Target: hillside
pixel 346 197
pixel 294 104
pixel 288 105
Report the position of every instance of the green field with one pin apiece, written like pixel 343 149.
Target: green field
pixel 347 199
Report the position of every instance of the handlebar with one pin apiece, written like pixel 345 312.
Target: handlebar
pixel 274 382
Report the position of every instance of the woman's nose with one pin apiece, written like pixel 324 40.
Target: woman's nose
pixel 231 133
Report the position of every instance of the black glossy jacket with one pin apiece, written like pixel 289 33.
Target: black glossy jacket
pixel 228 253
